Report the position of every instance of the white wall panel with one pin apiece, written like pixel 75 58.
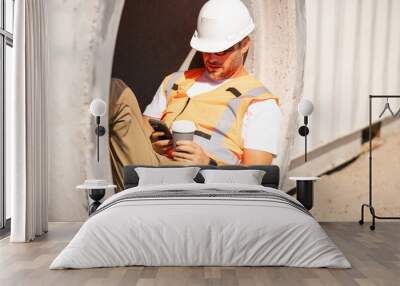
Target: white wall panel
pixel 352 50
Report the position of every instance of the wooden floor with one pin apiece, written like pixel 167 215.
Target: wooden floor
pixel 375 257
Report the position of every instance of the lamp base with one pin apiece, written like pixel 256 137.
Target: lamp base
pixel 305 193
pixel 96 195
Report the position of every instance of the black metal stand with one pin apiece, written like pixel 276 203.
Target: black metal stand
pixel 99 131
pixel 303 131
pixel 369 205
pixel 96 195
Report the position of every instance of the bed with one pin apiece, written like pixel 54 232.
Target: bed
pixel 201 224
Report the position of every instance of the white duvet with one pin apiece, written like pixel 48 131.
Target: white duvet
pixel 207 230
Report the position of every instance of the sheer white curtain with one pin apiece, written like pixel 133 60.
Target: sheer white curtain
pixel 27 115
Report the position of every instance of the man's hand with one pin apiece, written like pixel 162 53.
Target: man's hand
pixel 190 153
pixel 160 146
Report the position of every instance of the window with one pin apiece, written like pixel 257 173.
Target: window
pixel 6 62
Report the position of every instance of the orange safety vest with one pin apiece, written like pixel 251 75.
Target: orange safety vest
pixel 217 114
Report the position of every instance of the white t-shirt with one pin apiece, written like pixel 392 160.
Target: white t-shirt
pixel 261 122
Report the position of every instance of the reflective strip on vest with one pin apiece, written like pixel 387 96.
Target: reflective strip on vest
pixel 217 151
pixel 174 77
pixel 215 144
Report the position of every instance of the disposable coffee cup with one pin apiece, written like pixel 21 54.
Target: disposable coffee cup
pixel 182 130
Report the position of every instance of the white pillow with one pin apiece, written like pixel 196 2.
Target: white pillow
pixel 248 177
pixel 166 176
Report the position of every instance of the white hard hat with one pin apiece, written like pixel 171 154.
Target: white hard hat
pixel 220 25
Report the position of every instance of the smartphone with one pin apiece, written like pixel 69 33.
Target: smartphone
pixel 161 127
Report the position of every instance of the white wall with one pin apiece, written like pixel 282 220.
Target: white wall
pixel 82 34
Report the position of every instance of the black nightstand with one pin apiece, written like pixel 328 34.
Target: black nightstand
pixel 97 190
pixel 305 190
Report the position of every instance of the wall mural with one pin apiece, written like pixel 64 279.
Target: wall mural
pixel 198 114
pixel 130 55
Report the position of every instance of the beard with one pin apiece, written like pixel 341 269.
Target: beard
pixel 219 70
pixel 215 74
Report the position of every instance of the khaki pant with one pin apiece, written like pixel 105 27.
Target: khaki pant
pixel 129 140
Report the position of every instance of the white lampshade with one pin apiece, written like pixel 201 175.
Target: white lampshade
pixel 98 107
pixel 305 107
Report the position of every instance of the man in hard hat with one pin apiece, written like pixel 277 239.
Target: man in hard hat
pixel 237 119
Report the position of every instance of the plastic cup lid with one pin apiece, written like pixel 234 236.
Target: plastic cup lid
pixel 183 126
